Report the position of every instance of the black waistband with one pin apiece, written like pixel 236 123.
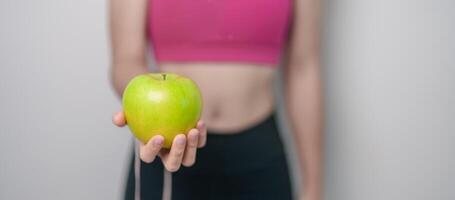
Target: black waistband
pixel 267 123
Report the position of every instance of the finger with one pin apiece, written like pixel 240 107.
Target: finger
pixel 173 159
pixel 202 133
pixel 191 147
pixel 118 119
pixel 149 151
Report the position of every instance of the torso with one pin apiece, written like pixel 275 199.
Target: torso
pixel 221 45
pixel 235 96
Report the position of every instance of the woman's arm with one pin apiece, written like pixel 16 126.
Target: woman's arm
pixel 303 93
pixel 128 40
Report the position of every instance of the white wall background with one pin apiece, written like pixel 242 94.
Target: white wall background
pixel 56 137
pixel 389 76
pixel 390 79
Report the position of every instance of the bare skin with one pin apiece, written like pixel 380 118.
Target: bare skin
pixel 230 92
pixel 236 95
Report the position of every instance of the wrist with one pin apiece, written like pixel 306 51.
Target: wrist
pixel 310 196
pixel 312 190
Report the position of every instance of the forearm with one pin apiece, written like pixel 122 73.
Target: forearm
pixel 304 101
pixel 127 20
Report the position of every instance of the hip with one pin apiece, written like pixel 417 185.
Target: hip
pixel 250 164
pixel 256 147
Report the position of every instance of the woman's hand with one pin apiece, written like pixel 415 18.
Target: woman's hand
pixel 183 149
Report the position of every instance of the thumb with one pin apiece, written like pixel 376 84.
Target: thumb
pixel 118 119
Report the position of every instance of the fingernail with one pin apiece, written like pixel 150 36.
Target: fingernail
pixel 193 136
pixel 158 141
pixel 181 140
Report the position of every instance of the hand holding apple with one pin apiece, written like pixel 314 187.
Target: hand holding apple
pixel 161 103
pixel 163 111
pixel 182 152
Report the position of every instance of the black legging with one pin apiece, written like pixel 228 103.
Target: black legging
pixel 248 165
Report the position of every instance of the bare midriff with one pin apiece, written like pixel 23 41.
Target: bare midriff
pixel 235 96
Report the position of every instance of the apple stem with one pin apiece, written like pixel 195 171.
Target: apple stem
pixel 164 76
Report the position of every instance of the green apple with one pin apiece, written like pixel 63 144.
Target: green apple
pixel 161 104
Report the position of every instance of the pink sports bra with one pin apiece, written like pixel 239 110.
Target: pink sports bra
pixel 252 31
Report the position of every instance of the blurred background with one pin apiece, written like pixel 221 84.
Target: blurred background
pixel 389 72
